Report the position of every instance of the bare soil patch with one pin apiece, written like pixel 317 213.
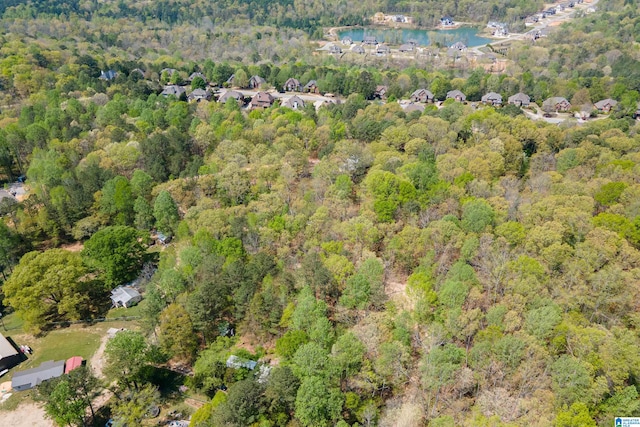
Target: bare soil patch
pixel 26 415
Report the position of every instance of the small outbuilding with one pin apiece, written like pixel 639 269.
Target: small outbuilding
pixel 236 362
pixel 125 296
pixel 73 363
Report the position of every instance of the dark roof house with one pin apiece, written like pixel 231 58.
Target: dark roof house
pixel 108 75
pixel 292 85
pixel 198 95
pixel 383 49
pixel 295 103
pixel 606 105
pixel 312 87
pixel 520 99
pixel 492 98
pixel 422 95
pixel 446 21
pixel 556 103
pixel 193 76
pixel 370 40
pixel 125 296
pixel 457 95
pixel 9 355
pixel 407 47
pixel 30 378
pixel 231 94
pixel 261 100
pixel 174 90
pixel 256 82
pixel 380 92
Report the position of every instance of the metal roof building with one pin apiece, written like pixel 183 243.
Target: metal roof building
pixel 32 377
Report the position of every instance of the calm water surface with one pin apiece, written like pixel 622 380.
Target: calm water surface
pixel 466 35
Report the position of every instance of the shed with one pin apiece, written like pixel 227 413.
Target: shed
pixel 236 362
pixel 30 378
pixel 125 296
pixel 73 363
pixel 9 355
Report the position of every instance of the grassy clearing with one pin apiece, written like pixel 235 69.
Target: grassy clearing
pixel 135 311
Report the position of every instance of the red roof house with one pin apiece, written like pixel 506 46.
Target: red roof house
pixel 72 363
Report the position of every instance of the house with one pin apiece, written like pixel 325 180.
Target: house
pixel 407 48
pixel 30 378
pixel 255 82
pixel 236 362
pixel 348 41
pixel 383 50
pixel 168 71
pixel 108 75
pixel 261 100
pixel 335 50
pixel 125 296
pixel 295 103
pixel 312 87
pixel 556 103
pixel 357 49
pixel 520 99
pixel 459 46
pixel 198 95
pixel 232 94
pixel 381 92
pixel 230 80
pixel 193 76
pixel 162 238
pixel 73 363
pixel 606 105
pixel 422 95
pixel 9 355
pixel 138 71
pixel 492 98
pixel 370 41
pixel 174 90
pixel 457 95
pixel 636 115
pixel 292 85
pixel 446 21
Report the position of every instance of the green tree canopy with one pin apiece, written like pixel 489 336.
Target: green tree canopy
pixel 117 252
pixel 49 286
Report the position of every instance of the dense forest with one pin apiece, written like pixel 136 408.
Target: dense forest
pixel 464 265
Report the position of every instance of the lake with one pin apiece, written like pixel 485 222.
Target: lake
pixel 466 35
